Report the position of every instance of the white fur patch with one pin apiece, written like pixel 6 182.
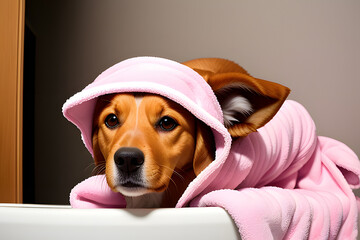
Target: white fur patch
pixel 138 99
pixel 233 106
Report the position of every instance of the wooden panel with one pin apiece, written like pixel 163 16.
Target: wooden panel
pixel 11 68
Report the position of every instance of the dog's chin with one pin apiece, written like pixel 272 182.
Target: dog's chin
pixel 132 191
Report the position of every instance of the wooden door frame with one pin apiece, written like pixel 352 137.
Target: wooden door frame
pixel 12 22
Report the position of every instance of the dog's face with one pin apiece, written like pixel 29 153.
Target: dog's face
pixel 141 140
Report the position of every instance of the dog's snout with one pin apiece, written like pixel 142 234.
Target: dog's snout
pixel 128 159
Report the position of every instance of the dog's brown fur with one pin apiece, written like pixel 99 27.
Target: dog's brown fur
pixel 174 158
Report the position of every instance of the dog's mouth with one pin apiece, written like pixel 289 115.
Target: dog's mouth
pixel 130 184
pixel 132 189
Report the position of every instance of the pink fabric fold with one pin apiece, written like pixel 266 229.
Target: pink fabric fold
pixel 95 193
pixel 282 182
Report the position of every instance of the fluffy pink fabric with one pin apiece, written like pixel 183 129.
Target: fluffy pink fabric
pixel 95 193
pixel 287 183
pixel 280 182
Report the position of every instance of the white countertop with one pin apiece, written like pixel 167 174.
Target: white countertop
pixel 21 221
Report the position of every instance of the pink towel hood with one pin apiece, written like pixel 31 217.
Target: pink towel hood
pixel 168 78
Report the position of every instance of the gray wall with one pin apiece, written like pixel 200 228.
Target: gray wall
pixel 310 46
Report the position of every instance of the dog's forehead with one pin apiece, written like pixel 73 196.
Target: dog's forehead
pixel 143 103
pixel 154 101
pixel 146 99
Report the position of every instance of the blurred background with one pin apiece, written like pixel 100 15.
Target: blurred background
pixel 313 47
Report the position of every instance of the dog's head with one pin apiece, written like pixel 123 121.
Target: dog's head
pixel 145 142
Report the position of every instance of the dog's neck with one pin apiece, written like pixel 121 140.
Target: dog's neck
pixel 150 200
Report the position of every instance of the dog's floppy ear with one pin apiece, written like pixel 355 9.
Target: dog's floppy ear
pixel 98 156
pixel 204 149
pixel 248 103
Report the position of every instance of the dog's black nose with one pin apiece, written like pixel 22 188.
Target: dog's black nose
pixel 128 159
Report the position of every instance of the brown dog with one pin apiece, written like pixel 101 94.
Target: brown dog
pixel 150 148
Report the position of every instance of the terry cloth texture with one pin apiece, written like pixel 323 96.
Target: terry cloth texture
pixel 282 182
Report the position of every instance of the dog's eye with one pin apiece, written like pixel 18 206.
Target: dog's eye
pixel 111 121
pixel 167 124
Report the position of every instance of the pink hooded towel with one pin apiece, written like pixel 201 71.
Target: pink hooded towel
pixel 282 182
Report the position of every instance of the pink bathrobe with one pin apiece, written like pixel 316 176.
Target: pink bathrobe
pixel 282 182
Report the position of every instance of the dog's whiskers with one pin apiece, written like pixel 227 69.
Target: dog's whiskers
pixel 99 169
pixel 174 172
pixel 91 165
pixel 173 182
